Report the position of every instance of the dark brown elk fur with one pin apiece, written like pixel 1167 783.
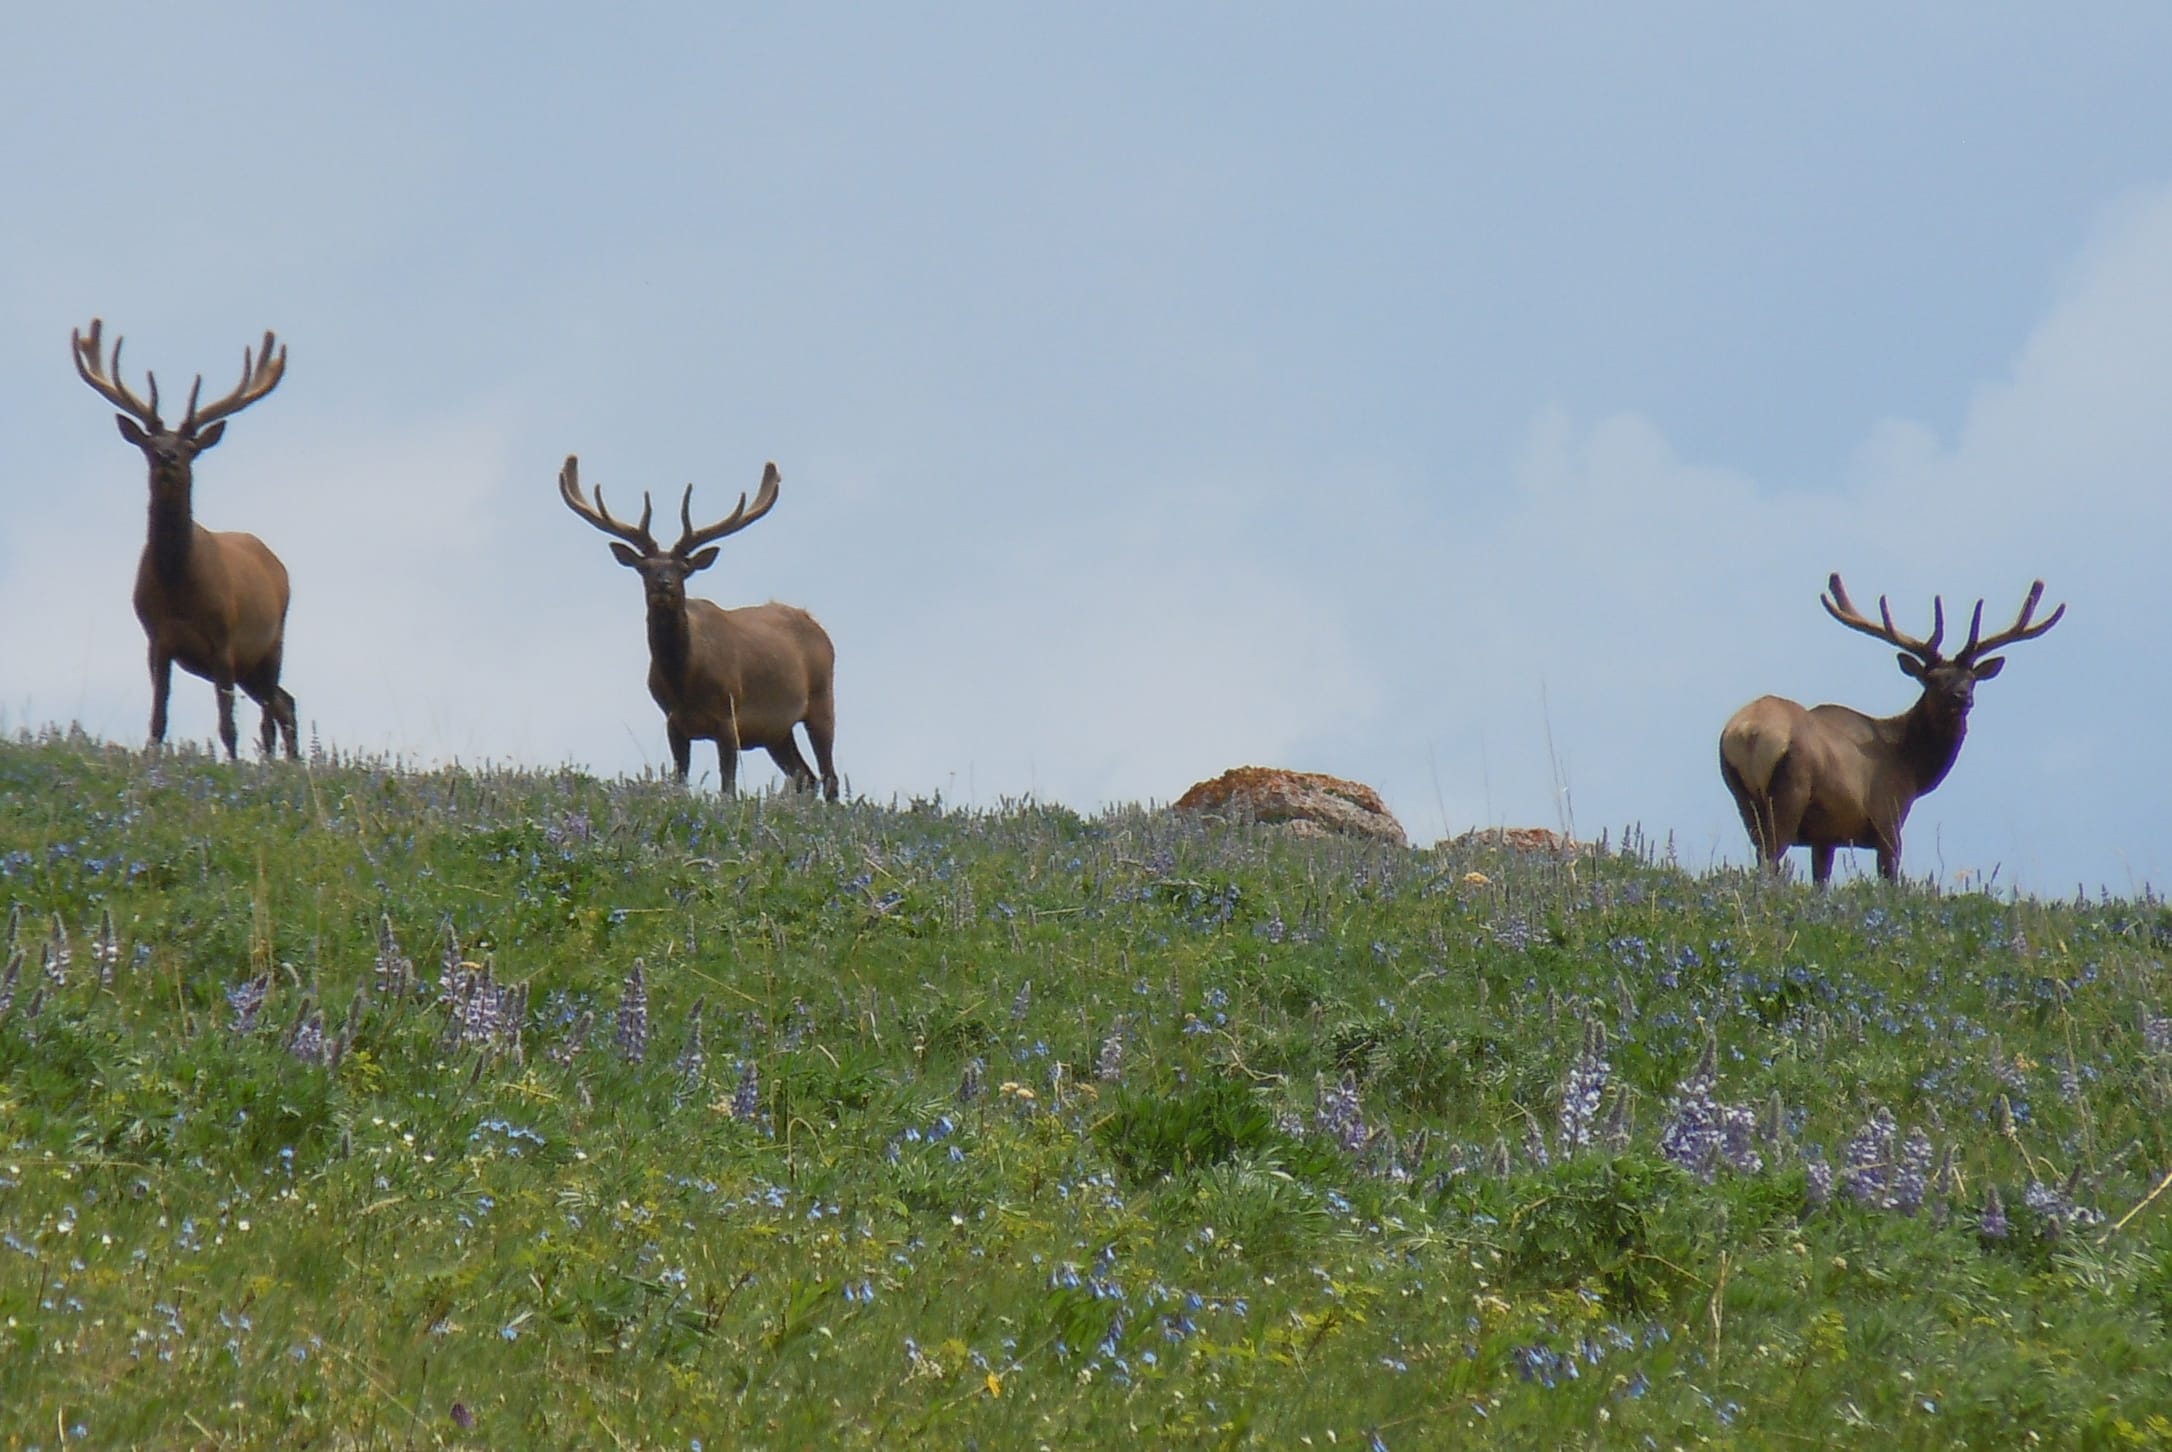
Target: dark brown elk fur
pixel 1831 777
pixel 740 678
pixel 213 603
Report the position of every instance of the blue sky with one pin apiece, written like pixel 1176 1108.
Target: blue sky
pixel 1470 404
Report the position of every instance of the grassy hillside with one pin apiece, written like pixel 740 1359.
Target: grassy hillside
pixel 496 1109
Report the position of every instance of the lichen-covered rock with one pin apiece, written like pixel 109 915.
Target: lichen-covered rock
pixel 1519 839
pixel 1308 802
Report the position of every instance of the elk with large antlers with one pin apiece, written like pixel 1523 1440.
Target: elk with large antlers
pixel 1832 777
pixel 740 678
pixel 214 603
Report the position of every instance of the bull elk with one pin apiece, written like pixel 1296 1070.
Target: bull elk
pixel 213 602
pixel 740 678
pixel 1833 777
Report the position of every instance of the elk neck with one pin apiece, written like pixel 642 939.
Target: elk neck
pixel 173 532
pixel 670 641
pixel 1930 742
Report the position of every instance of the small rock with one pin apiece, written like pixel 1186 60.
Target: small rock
pixel 1519 839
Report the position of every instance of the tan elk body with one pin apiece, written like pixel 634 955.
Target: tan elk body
pixel 741 678
pixel 213 603
pixel 1828 777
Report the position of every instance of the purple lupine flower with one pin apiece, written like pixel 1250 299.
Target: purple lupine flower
pixel 1022 1001
pixel 106 948
pixel 1866 1174
pixel 1817 1178
pixel 1534 1144
pixel 1616 1133
pixel 692 1061
pixel 798 1023
pixel 512 1018
pixel 969 1086
pixel 477 1004
pixel 60 954
pixel 633 1014
pixel 7 980
pixel 307 1042
pixel 1338 1116
pixel 246 999
pixel 1911 1178
pixel 570 1047
pixel 453 957
pixel 747 1098
pixel 1512 931
pixel 1993 1224
pixel 1498 1160
pixel 1738 1139
pixel 1690 1135
pixel 2156 1030
pixel 1109 1064
pixel 1584 1090
pixel 2055 1206
pixel 395 975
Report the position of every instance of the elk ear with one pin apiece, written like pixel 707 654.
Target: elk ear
pixel 701 559
pixel 1985 670
pixel 1911 667
pixel 131 431
pixel 209 436
pixel 626 554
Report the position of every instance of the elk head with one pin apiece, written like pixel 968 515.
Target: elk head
pixel 172 452
pixel 1949 685
pixel 664 572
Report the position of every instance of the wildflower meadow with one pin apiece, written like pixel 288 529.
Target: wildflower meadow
pixel 347 1105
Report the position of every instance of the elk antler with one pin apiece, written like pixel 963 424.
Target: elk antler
pixel 765 499
pixel 90 366
pixel 569 489
pixel 1842 609
pixel 2019 630
pixel 260 374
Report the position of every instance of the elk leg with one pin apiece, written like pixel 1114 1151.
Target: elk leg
pixel 1821 863
pixel 279 713
pixel 1889 859
pixel 161 688
pixel 682 750
pixel 1756 810
pixel 727 750
pixel 793 765
pixel 1787 798
pixel 227 733
pixel 822 735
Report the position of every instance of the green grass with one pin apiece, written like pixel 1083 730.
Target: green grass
pixel 1015 1128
